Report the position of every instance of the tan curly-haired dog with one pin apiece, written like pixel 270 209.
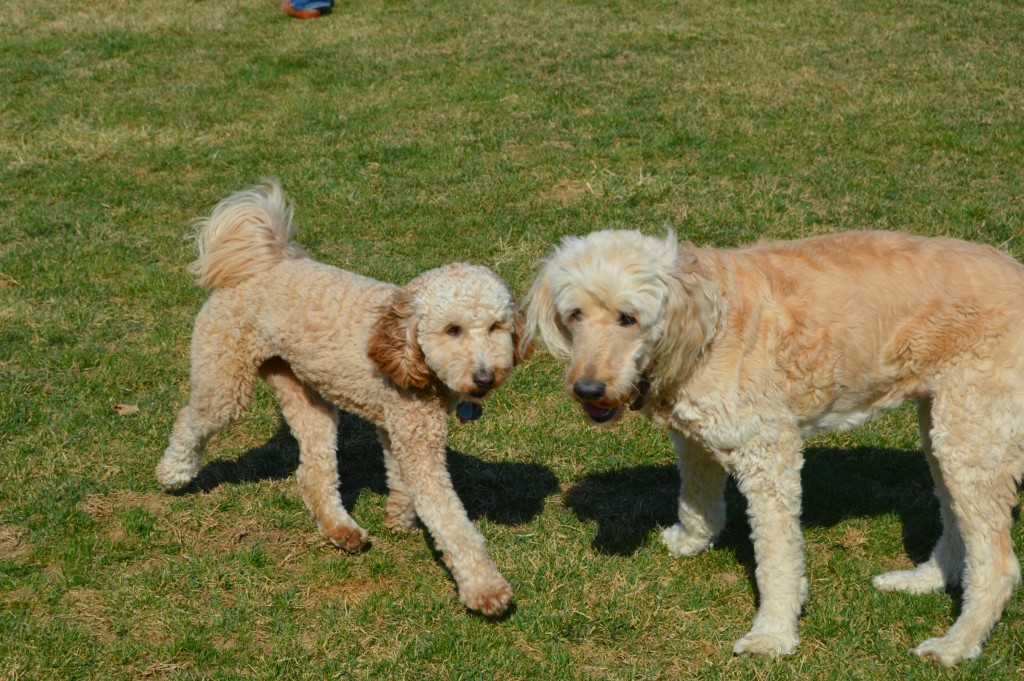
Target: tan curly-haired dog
pixel 742 354
pixel 322 337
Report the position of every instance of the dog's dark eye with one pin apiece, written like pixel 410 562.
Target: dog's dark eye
pixel 453 330
pixel 626 319
pixel 576 315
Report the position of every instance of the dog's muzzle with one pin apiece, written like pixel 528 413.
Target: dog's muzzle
pixel 591 392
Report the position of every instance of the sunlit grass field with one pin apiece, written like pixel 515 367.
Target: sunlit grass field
pixel 410 134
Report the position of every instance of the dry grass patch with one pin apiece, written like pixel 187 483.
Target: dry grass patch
pixel 13 544
pixel 346 593
pixel 86 608
pixel 568 191
pixel 104 507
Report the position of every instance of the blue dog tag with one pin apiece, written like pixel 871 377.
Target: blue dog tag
pixel 468 411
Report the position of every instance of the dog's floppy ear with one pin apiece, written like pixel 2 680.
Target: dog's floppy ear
pixel 542 315
pixel 693 309
pixel 393 345
pixel 522 344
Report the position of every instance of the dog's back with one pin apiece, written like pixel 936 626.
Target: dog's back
pixel 872 263
pixel 873 315
pixel 881 286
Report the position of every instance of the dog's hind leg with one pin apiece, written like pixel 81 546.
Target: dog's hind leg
pixel 179 464
pixel 980 459
pixel 768 475
pixel 701 500
pixel 222 385
pixel 947 560
pixel 399 512
pixel 314 423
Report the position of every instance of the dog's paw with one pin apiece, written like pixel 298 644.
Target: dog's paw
pixel 771 643
pixel 349 538
pixel 493 600
pixel 925 578
pixel 946 651
pixel 402 523
pixel 399 515
pixel 174 474
pixel 681 543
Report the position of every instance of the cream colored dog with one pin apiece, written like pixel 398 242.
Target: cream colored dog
pixel 320 337
pixel 742 354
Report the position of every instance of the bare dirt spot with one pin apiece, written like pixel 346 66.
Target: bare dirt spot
pixel 204 527
pixel 853 538
pixel 104 507
pixel 12 542
pixel 566 191
pixel 347 592
pixel 727 578
pixel 88 610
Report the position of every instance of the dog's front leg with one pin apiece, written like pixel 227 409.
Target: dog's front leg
pixel 768 475
pixel 701 499
pixel 417 433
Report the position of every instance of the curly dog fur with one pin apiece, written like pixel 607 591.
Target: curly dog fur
pixel 742 354
pixel 324 338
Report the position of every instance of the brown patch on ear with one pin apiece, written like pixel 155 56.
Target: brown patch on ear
pixel 522 345
pixel 393 346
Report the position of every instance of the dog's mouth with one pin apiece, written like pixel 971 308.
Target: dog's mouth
pixel 601 411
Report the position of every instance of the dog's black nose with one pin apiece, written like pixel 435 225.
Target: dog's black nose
pixel 483 378
pixel 589 389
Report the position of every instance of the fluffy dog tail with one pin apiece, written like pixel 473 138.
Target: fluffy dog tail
pixel 246 233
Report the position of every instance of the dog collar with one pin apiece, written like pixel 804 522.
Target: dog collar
pixel 642 389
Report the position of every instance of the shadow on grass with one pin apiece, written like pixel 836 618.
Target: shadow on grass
pixel 837 484
pixel 503 492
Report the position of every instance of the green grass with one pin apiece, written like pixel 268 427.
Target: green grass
pixel 412 134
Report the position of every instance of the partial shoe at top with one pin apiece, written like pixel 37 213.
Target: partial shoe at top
pixel 286 7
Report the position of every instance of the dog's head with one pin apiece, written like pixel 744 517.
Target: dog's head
pixel 456 325
pixel 624 310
